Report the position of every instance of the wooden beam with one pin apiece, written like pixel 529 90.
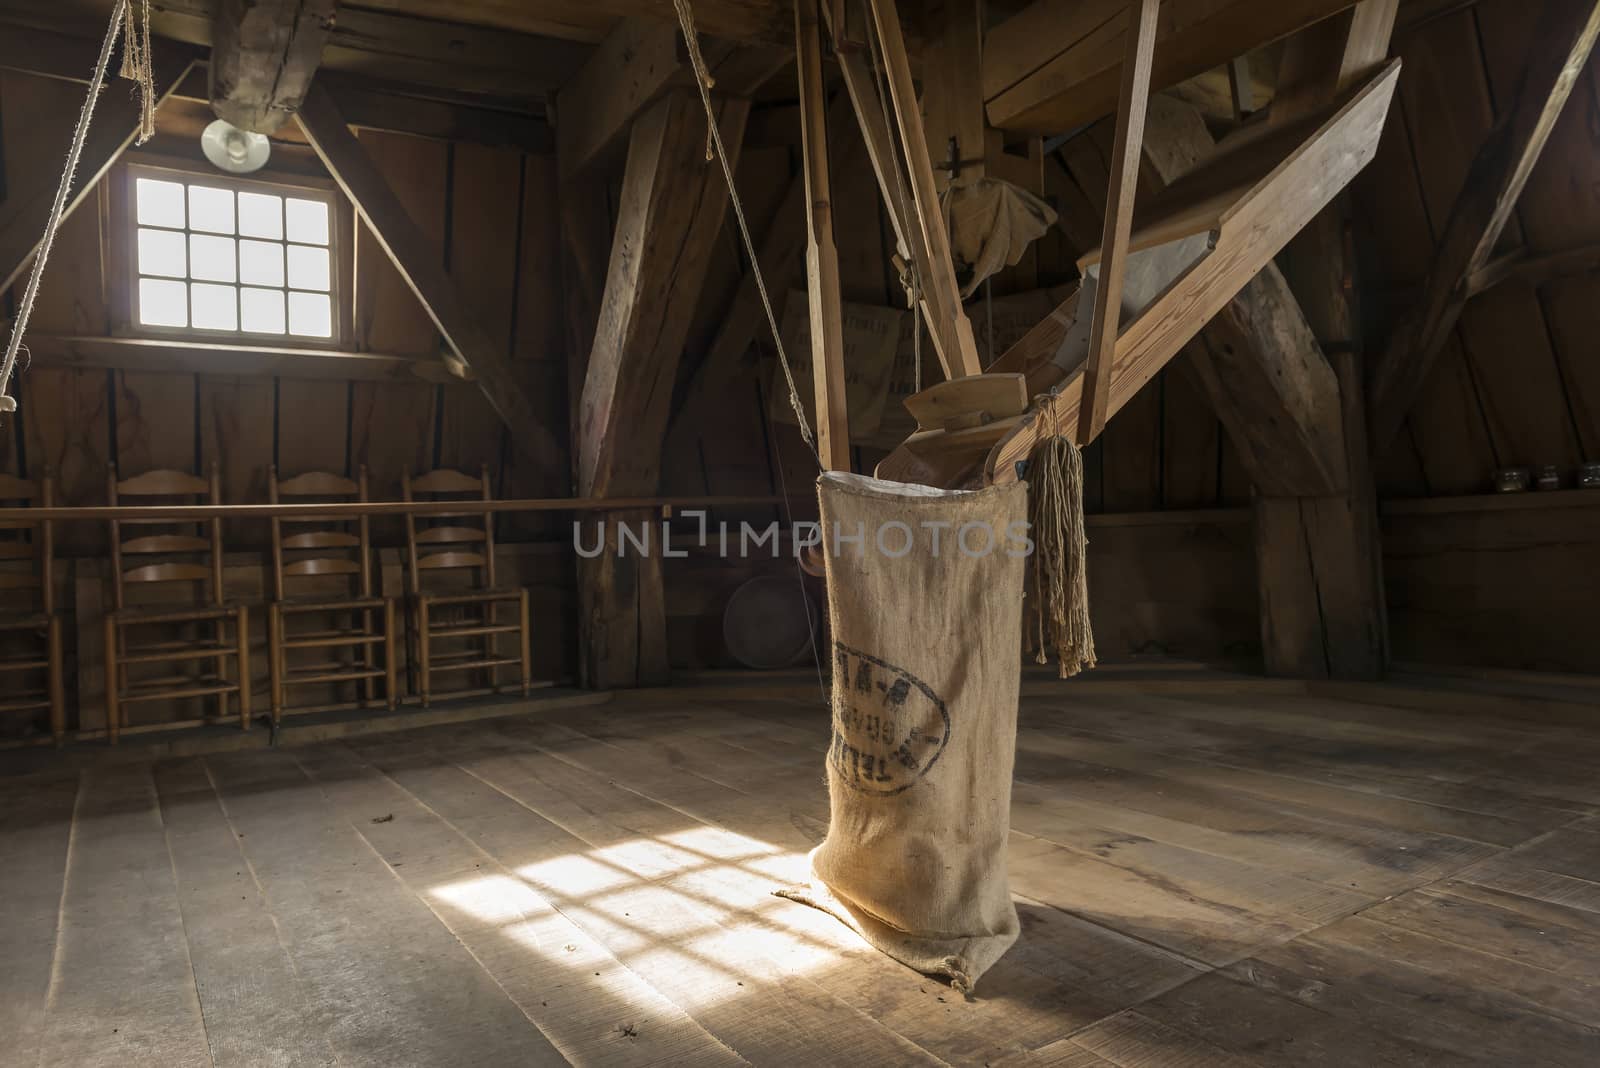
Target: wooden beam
pixel 263 54
pixel 1535 270
pixel 671 209
pixel 1249 233
pixel 204 357
pixel 939 272
pixel 32 189
pixel 360 179
pixel 822 255
pixel 637 62
pixel 1055 65
pixel 1132 104
pixel 1323 60
pixel 1562 42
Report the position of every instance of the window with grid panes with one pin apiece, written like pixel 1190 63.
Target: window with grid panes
pixel 213 257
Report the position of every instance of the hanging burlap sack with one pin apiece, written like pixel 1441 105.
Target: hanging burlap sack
pixel 926 653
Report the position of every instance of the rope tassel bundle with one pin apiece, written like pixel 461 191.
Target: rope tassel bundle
pixel 1060 557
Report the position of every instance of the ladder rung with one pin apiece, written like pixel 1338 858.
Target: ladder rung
pixel 468 665
pixel 23 705
pixel 330 640
pixel 470 631
pixel 141 694
pixel 163 656
pixel 24 665
pixel 293 679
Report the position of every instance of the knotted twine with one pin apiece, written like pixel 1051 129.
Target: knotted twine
pixel 1060 555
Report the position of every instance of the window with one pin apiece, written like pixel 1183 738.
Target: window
pixel 248 259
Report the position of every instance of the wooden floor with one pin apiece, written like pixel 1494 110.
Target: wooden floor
pixel 1207 879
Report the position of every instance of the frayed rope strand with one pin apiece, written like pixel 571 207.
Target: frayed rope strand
pixel 1061 577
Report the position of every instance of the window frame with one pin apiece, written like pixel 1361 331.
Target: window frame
pixel 123 283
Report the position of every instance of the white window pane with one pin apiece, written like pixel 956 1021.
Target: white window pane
pixel 211 209
pixel 310 315
pixel 163 303
pixel 308 221
pixel 211 258
pixel 261 215
pixel 214 307
pixel 261 310
pixel 308 268
pixel 261 263
pixel 159 203
pixel 162 252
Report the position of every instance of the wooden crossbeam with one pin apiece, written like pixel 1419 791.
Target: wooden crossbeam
pixel 822 255
pixel 263 54
pixel 1562 42
pixel 402 239
pixel 1055 65
pixel 32 191
pixel 1132 104
pixel 1249 232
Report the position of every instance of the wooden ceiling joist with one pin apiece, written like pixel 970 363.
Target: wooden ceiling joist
pixel 361 180
pixel 1056 64
pixel 1562 42
pixel 263 54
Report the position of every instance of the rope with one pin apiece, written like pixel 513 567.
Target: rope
pixel 1060 559
pixel 136 67
pixel 703 81
pixel 59 205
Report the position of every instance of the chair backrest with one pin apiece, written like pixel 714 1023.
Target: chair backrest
pixel 27 539
pixel 323 544
pixel 180 551
pixel 454 540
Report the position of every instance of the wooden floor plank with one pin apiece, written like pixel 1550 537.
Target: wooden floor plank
pixel 389 983
pixel 123 991
pixel 255 1005
pixel 618 882
pixel 1134 1040
pixel 35 832
pixel 591 1006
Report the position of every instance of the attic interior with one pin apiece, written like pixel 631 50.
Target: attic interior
pixel 472 480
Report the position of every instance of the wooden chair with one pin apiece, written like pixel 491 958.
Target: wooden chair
pixel 31 616
pixel 188 553
pixel 459 545
pixel 341 555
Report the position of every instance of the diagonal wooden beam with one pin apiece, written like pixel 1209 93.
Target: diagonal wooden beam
pixel 1132 104
pixel 398 234
pixel 263 54
pixel 1562 42
pixel 114 126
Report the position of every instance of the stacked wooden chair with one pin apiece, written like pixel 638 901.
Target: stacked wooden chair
pixel 454 597
pixel 188 556
pixel 325 573
pixel 29 625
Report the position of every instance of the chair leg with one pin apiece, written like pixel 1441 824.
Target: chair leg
pixel 368 684
pixel 242 637
pixel 423 663
pixel 491 642
pixel 113 681
pixel 220 665
pixel 526 638
pixel 390 674
pixel 275 663
pixel 58 700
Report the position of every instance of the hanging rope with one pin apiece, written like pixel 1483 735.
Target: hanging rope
pixel 703 81
pixel 1060 555
pixel 139 65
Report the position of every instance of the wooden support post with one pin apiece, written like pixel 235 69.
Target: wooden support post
pixel 1131 106
pixel 939 273
pixel 263 54
pixel 400 237
pixel 671 209
pixel 1562 42
pixel 822 256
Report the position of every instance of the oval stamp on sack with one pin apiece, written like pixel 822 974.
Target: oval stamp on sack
pixel 889 727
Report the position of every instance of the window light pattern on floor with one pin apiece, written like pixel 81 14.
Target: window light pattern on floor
pixel 217 259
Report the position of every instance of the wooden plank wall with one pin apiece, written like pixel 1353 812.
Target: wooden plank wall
pixel 492 214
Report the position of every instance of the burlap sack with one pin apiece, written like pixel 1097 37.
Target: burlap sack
pixel 926 661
